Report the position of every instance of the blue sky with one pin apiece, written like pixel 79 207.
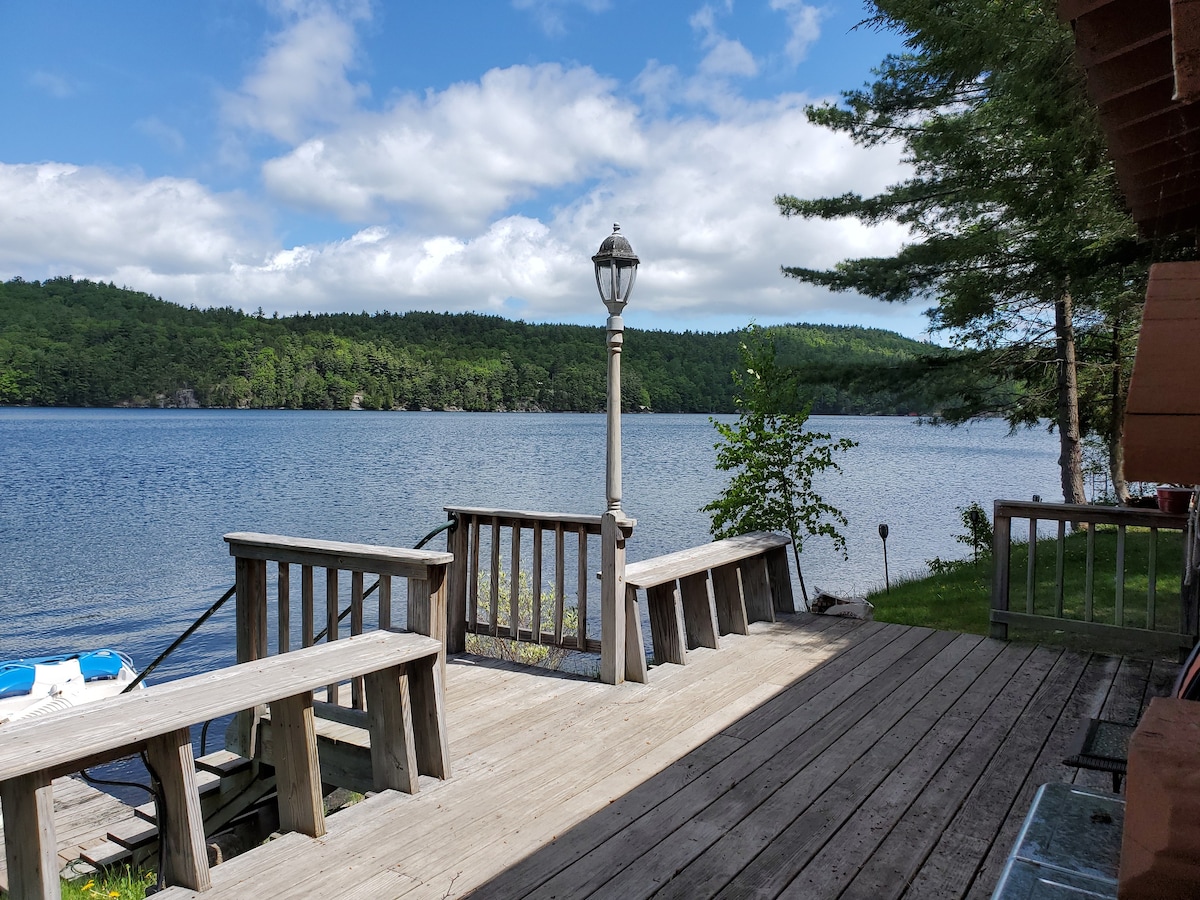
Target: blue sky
pixel 315 155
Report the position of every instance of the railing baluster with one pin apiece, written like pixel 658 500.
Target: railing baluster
pixel 560 568
pixel 581 630
pixel 1089 577
pixel 356 627
pixel 514 584
pixel 1152 587
pixel 1119 607
pixel 284 584
pixel 385 601
pixel 495 593
pixel 476 526
pixel 306 607
pixel 1031 569
pixel 331 621
pixel 536 587
pixel 1058 569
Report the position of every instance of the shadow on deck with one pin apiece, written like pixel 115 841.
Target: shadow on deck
pixel 815 758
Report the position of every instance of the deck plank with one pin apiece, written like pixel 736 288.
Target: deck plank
pixel 1048 766
pixel 950 867
pixel 812 757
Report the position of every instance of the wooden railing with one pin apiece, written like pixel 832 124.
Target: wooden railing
pixel 321 617
pixel 406 722
pixel 1044 613
pixel 524 576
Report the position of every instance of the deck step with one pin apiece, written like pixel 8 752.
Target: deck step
pixel 223 763
pixel 133 833
pixel 206 782
pixel 105 854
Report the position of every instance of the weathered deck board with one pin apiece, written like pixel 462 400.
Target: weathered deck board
pixel 813 758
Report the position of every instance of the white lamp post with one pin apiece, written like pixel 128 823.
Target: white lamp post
pixel 616 270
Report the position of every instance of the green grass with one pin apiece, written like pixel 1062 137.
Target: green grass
pixel 124 885
pixel 960 599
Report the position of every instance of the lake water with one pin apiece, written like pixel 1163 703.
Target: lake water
pixel 111 521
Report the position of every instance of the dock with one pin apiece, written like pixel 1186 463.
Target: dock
pixel 814 757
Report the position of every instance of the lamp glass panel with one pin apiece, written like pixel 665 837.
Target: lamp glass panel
pixel 604 280
pixel 626 275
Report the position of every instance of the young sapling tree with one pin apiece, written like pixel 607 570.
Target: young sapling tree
pixel 773 458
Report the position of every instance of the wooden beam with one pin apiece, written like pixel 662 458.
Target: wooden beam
pixel 297 770
pixel 185 857
pixel 30 846
pixel 389 718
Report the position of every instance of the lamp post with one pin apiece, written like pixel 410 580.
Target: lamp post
pixel 616 269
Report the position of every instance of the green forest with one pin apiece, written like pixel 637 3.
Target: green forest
pixel 69 342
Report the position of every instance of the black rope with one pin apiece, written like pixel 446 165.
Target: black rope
pixel 160 819
pixel 93 779
pixel 179 640
pixel 450 526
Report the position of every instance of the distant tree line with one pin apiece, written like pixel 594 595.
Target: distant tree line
pixel 68 342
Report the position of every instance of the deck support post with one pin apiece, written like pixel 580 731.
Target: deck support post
pixel 614 529
pixel 458 543
pixel 1001 552
pixel 427 608
pixel 30 846
pixel 185 861
pixel 251 599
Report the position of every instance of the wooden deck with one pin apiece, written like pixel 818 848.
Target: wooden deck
pixel 813 758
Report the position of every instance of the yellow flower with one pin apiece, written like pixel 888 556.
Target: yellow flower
pixel 88 885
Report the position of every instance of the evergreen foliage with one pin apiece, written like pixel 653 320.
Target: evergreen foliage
pixel 68 342
pixel 1019 238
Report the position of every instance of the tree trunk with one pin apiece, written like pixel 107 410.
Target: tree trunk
pixel 1070 459
pixel 1116 432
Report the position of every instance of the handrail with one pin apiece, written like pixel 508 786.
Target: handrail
pixel 1002 615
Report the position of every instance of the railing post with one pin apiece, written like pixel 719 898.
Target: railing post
pixel 1001 549
pixel 427 607
pixel 1189 603
pixel 250 581
pixel 614 529
pixel 457 542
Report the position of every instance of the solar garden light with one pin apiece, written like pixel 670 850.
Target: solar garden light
pixel 616 270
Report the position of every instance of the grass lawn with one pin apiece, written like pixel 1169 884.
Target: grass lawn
pixel 960 599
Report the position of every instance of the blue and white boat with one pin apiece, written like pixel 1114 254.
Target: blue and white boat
pixel 45 684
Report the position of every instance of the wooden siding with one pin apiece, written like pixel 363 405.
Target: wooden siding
pixel 1162 420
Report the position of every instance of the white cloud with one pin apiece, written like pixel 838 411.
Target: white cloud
pixel 804 26
pixel 725 56
pixel 167 137
pixel 696 200
pixel 466 153
pixel 66 219
pixel 302 80
pixel 53 83
pixel 550 13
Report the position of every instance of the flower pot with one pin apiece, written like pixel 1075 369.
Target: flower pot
pixel 1174 499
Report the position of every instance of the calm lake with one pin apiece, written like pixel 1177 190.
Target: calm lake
pixel 111 520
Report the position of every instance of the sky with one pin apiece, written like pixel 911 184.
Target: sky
pixel 326 156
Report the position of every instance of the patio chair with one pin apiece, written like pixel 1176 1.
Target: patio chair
pixel 1104 745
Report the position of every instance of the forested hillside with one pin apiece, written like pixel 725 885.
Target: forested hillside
pixel 66 342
